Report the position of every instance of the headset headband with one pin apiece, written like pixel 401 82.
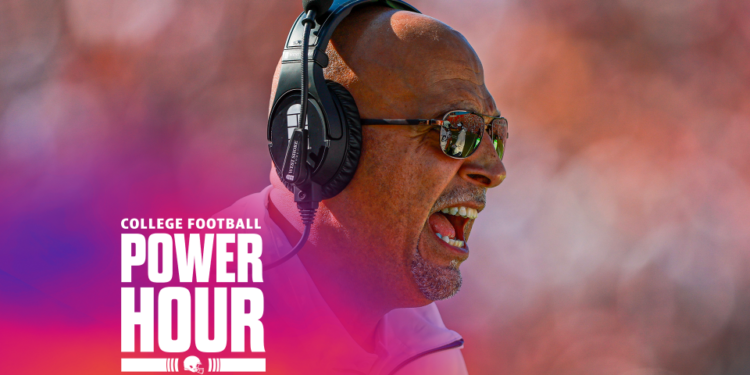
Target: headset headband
pixel 330 20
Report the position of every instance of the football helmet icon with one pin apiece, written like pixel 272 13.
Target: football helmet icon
pixel 192 364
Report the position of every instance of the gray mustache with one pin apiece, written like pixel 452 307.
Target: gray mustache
pixel 462 194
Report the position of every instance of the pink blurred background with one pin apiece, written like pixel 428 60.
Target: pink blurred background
pixel 618 244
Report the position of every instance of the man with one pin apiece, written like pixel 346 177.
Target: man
pixel 377 256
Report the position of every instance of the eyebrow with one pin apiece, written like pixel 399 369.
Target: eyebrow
pixel 454 106
pixel 466 106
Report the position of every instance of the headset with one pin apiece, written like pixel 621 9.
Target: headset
pixel 314 131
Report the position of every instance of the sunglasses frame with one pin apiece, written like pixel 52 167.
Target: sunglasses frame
pixel 439 124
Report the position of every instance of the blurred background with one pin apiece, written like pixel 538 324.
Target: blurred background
pixel 618 244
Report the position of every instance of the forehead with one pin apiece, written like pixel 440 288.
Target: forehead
pixel 449 76
pixel 450 84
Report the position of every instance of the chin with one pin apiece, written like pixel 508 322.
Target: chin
pixel 435 282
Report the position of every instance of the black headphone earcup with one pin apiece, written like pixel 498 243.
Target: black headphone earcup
pixel 346 104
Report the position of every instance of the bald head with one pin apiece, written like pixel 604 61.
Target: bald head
pixel 404 64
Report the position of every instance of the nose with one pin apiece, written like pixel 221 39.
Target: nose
pixel 483 168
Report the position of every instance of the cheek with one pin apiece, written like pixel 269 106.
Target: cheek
pixel 385 172
pixel 401 176
pixel 392 158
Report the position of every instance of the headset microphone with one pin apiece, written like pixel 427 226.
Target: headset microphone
pixel 315 153
pixel 306 193
pixel 294 167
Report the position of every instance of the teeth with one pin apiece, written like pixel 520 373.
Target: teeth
pixel 467 212
pixel 451 241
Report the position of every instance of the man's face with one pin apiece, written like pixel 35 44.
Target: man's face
pixel 417 68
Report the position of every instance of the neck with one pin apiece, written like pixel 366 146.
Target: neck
pixel 351 288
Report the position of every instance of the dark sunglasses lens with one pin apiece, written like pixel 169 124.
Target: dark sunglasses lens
pixel 499 135
pixel 460 134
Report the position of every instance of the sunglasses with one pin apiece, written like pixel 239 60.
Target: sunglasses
pixel 460 131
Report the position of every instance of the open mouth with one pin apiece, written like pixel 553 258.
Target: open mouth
pixel 450 222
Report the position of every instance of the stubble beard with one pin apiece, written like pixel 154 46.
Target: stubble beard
pixel 435 282
pixel 441 282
